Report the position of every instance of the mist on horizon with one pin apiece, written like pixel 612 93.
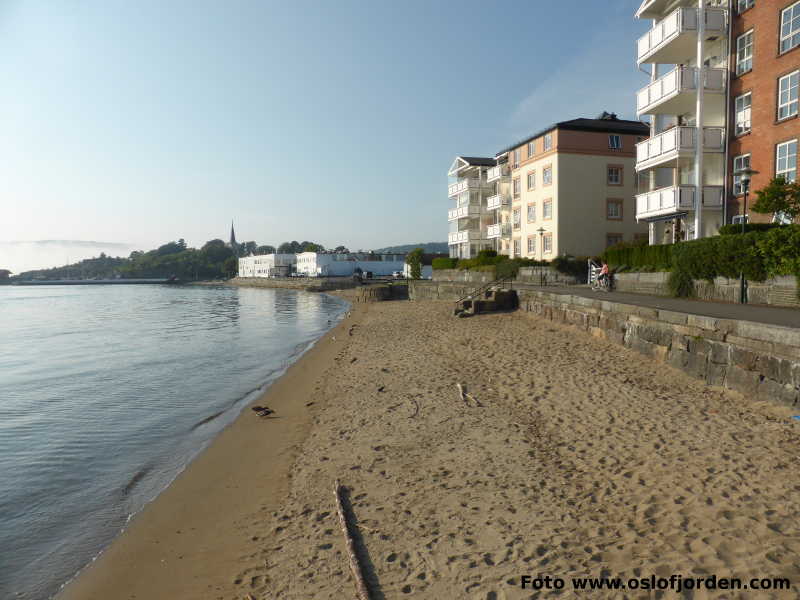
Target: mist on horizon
pixel 22 256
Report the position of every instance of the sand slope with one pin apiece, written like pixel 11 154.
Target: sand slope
pixel 583 459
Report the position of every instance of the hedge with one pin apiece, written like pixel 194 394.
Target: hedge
pixel 638 255
pixel 748 227
pixel 444 263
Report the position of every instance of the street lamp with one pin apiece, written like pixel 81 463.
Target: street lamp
pixel 744 174
pixel 541 254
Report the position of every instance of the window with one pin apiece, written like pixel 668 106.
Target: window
pixel 786 160
pixel 532 180
pixel 548 142
pixel 738 219
pixel 515 183
pixel 516 218
pixel 743 5
pixel 739 162
pixel 790 27
pixel 547 175
pixel 787 95
pixel 744 52
pixel 531 213
pixel 614 175
pixel 742 104
pixel 613 238
pixel 531 149
pixel 517 250
pixel 547 242
pixel 547 209
pixel 614 142
pixel 531 245
pixel 516 159
pixel 614 210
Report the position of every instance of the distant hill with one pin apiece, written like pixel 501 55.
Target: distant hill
pixel 427 247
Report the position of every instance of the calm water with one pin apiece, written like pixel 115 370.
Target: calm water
pixel 102 393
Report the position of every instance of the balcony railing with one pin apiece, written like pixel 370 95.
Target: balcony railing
pixel 676 199
pixel 497 172
pixel 657 97
pixel 674 38
pixel 497 201
pixel 464 185
pixel 459 237
pixel 676 142
pixel 463 212
pixel 498 230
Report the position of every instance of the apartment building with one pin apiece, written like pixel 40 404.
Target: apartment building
pixel 765 78
pixel 267 265
pixel 568 189
pixel 682 173
pixel 468 190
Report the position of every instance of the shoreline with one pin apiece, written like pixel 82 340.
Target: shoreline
pixel 188 539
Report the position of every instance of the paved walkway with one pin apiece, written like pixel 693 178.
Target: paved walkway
pixel 772 315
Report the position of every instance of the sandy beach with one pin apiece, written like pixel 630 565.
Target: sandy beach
pixel 570 457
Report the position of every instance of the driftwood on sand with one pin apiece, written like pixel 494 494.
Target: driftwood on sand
pixel 355 565
pixel 462 392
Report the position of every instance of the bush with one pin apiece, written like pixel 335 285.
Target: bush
pixel 748 227
pixel 444 263
pixel 639 256
pixel 571 265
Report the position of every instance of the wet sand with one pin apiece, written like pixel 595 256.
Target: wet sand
pixel 571 457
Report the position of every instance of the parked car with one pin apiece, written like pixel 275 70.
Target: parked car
pixel 397 274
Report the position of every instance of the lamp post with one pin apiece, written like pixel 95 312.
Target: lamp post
pixel 744 175
pixel 541 254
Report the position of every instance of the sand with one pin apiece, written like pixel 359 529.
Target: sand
pixel 574 457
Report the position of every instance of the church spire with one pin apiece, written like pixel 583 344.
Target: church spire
pixel 233 244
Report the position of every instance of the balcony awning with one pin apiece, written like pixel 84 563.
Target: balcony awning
pixel 665 217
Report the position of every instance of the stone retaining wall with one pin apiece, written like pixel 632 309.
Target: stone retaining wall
pixel 761 361
pixel 308 284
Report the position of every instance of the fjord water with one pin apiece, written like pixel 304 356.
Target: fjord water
pixel 106 392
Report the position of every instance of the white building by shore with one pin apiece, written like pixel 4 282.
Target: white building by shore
pixel 267 265
pixel 329 264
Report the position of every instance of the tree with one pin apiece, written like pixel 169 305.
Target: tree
pixel 231 266
pixel 265 250
pixel 216 251
pixel 249 248
pixel 312 247
pixel 414 260
pixel 289 248
pixel 779 196
pixel 341 249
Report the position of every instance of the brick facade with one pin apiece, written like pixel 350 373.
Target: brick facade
pixel 762 82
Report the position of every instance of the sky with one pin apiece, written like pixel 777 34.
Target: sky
pixel 137 123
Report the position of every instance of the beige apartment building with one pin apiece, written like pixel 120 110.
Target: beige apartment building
pixel 567 190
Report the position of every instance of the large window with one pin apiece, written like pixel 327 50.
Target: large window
pixel 516 218
pixel 548 142
pixel 531 213
pixel 790 27
pixel 547 175
pixel 614 175
pixel 743 113
pixel 786 160
pixel 516 187
pixel 744 52
pixel 532 245
pixel 613 238
pixel 516 158
pixel 614 142
pixel 547 209
pixel 547 242
pixel 531 149
pixel 787 95
pixel 743 5
pixel 532 180
pixel 517 250
pixel 739 162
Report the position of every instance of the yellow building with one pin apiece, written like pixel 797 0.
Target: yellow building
pixel 569 189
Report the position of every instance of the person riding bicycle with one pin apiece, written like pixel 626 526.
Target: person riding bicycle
pixel 603 275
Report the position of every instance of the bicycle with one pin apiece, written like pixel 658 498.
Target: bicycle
pixel 602 284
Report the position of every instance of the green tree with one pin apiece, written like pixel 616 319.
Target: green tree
pixel 231 266
pixel 265 250
pixel 414 260
pixel 249 248
pixel 779 196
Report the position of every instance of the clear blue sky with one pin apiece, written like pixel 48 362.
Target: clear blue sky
pixel 335 121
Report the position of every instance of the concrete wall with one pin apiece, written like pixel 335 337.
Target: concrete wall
pixel 309 284
pixel 761 361
pixel 463 276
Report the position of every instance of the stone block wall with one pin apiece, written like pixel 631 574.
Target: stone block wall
pixel 309 284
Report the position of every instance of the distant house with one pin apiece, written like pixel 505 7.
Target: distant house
pixel 267 265
pixel 326 264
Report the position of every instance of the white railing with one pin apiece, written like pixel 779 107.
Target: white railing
pixel 675 199
pixel 668 144
pixel 459 237
pixel 498 230
pixel 462 186
pixel 497 201
pixel 671 27
pixel 462 212
pixel 679 79
pixel 497 172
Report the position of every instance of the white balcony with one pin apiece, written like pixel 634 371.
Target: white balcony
pixel 463 212
pixel 498 172
pixel 498 230
pixel 675 143
pixel 673 93
pixel 464 185
pixel 675 199
pixel 497 201
pixel 674 38
pixel 460 237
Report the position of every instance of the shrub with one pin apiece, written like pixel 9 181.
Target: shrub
pixel 748 227
pixel 444 263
